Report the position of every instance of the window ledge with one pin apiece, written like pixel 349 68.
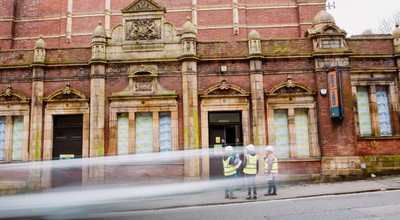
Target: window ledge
pixel 393 137
pixel 299 159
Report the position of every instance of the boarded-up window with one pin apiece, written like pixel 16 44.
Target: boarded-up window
pixel 301 127
pixel 165 132
pixel 364 115
pixel 17 138
pixel 144 132
pixel 365 118
pixel 123 134
pixel 281 133
pixel 383 110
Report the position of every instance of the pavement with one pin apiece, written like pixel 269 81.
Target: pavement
pixel 284 191
pixel 114 201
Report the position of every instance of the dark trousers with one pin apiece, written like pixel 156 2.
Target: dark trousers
pixel 251 184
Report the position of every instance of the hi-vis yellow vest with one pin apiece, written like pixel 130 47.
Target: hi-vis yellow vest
pixel 274 168
pixel 251 165
pixel 229 169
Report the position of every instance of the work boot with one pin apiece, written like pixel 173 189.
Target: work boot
pixel 270 194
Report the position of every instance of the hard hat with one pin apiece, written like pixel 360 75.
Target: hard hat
pixel 269 148
pixel 250 147
pixel 229 149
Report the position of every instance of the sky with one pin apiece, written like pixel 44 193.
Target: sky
pixel 356 16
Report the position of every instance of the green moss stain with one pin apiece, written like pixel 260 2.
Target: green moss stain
pixel 370 159
pixel 279 48
pixel 196 129
pixel 186 137
pixel 37 143
pixel 382 165
pixel 100 150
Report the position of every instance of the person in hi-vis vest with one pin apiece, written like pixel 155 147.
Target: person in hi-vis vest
pixel 229 171
pixel 271 170
pixel 250 169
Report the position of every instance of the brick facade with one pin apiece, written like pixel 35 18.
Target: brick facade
pixel 193 68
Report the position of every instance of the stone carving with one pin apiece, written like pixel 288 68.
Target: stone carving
pixel 144 5
pixel 8 90
pixel 67 89
pixel 10 96
pixel 143 86
pixel 143 29
pixel 290 87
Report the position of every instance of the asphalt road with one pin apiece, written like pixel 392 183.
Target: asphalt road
pixel 373 205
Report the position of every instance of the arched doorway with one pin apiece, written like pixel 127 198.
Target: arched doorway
pixel 225 120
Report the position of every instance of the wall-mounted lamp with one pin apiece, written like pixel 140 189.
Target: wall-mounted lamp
pixel 323 92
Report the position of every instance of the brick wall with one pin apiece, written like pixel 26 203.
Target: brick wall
pixel 274 19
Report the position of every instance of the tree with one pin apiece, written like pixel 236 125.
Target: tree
pixel 386 26
pixel 367 32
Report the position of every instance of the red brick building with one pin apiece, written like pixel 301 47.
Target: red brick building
pixel 160 75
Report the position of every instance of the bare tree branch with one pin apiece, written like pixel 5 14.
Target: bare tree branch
pixel 387 25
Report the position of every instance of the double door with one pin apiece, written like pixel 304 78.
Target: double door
pixel 67 144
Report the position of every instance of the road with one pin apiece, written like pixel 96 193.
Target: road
pixel 372 205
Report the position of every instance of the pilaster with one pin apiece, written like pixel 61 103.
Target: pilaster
pixel 257 89
pixel 190 98
pixel 97 92
pixel 36 122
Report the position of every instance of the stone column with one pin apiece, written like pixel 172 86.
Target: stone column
pixel 190 98
pixel 95 173
pixel 68 31
pixel 257 93
pixel 97 92
pixel 97 110
pixel 107 18
pixel 36 139
pixel 235 14
pixel 257 89
pixel 194 12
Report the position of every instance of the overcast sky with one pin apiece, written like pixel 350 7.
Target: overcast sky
pixel 356 16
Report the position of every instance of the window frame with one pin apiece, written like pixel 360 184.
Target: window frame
pixel 312 126
pixel 393 104
pixel 13 104
pixel 131 107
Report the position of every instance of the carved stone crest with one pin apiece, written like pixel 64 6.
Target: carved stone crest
pixel 143 29
pixel 143 86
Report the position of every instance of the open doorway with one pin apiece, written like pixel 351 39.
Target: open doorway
pixel 225 128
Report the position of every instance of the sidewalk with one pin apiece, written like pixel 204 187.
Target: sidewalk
pixel 285 191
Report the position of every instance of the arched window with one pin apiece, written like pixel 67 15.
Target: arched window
pixel 292 120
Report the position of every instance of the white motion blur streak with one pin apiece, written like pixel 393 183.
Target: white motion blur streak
pixel 54 203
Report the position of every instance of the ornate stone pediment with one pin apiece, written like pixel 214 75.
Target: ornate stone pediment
pixel 224 89
pixel 12 96
pixel 143 83
pixel 290 87
pixel 144 26
pixel 143 5
pixel 67 94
